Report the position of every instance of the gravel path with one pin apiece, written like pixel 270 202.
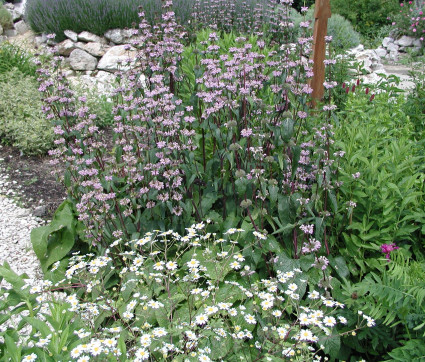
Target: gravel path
pixel 16 224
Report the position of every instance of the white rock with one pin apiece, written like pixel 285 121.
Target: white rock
pixel 71 35
pixel 417 43
pixel 387 41
pixel 116 55
pixel 89 37
pixel 405 41
pixel 381 52
pixel 66 47
pixel 115 35
pixel 358 48
pixel 1 30
pixel 81 60
pixel 95 49
pixel 21 27
pixel 10 33
pixel 392 47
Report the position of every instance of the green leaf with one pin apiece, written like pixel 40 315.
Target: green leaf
pixel 53 242
pixel 339 265
pixel 38 325
pixel 332 344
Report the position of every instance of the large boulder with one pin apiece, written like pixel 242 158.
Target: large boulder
pixel 21 27
pixel 405 41
pixel 89 37
pixel 115 56
pixel 81 60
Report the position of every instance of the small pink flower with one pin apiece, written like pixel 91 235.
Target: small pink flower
pixel 387 249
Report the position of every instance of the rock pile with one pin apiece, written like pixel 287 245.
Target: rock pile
pixel 391 48
pixel 19 26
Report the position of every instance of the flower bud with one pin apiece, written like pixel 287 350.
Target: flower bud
pixel 240 173
pixel 245 204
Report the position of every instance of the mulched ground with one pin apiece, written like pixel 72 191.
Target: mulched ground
pixel 38 186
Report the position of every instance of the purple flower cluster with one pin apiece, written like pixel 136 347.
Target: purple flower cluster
pixel 197 130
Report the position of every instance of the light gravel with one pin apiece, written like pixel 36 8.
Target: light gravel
pixel 16 223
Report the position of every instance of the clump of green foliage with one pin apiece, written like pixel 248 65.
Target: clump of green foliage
pixel 12 56
pixel 22 123
pixel 343 34
pixel 5 18
pixel 367 16
pixel 381 201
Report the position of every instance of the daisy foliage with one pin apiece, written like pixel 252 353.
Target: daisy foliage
pixel 195 297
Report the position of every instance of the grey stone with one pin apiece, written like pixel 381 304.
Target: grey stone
pixel 392 47
pixel 358 48
pixel 377 67
pixel 81 60
pixel 387 41
pixel 1 30
pixel 21 27
pixel 40 40
pixel 115 35
pixel 418 43
pixel 405 41
pixel 71 35
pixel 2 38
pixel 66 47
pixel 381 52
pixel 40 211
pixel 10 33
pixel 95 49
pixel 116 55
pixel 89 37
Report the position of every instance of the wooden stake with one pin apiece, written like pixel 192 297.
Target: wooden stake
pixel 322 13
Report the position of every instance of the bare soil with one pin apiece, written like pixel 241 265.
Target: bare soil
pixel 38 187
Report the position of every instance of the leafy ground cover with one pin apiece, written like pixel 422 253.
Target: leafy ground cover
pixel 222 218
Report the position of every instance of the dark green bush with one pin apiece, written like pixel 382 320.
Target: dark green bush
pixel 366 15
pixel 22 122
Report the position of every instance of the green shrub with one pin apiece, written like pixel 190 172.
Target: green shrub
pixel 22 123
pixel 382 173
pixel 5 18
pixel 343 34
pixel 415 105
pixel 366 15
pixel 12 56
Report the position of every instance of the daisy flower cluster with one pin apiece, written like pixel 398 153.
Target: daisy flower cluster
pixel 196 296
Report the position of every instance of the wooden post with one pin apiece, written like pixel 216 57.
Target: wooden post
pixel 322 13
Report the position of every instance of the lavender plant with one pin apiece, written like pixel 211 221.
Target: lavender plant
pixel 218 130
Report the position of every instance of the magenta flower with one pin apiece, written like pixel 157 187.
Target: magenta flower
pixel 387 249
